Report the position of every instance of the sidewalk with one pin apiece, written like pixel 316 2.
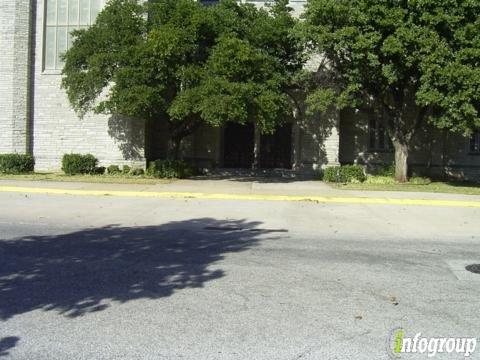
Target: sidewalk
pixel 250 189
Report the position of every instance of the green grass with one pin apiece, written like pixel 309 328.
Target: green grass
pixel 433 187
pixel 106 179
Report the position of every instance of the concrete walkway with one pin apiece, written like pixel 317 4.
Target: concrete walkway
pixel 251 189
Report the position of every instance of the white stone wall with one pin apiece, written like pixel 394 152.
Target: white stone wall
pixel 317 142
pixel 14 73
pixel 7 33
pixel 58 130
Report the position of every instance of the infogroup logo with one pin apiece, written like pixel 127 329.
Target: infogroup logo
pixel 399 344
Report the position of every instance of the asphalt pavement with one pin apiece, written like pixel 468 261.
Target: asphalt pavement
pixel 89 277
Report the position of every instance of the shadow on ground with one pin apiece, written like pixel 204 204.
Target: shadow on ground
pixel 81 272
pixel 255 179
pixel 257 175
pixel 7 343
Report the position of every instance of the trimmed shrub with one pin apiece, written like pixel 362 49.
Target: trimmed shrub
pixel 100 170
pixel 126 169
pixel 344 174
pixel 331 174
pixel 137 172
pixel 113 169
pixel 16 163
pixel 73 164
pixel 169 169
pixel 386 170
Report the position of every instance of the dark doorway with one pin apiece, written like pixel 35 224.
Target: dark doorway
pixel 276 149
pixel 238 149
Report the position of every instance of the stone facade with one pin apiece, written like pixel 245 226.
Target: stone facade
pixel 35 117
pixel 58 130
pixel 433 153
pixel 15 35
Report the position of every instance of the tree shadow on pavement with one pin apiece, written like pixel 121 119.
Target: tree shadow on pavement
pixel 81 272
pixel 7 343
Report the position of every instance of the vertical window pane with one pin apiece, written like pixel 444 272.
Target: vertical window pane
pixel 50 48
pixel 96 8
pixel 51 12
pixel 63 16
pixel 372 134
pixel 381 136
pixel 475 143
pixel 389 142
pixel 73 12
pixel 62 12
pixel 84 12
pixel 61 45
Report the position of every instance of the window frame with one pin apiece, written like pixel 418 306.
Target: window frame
pixel 67 27
pixel 474 143
pixel 379 134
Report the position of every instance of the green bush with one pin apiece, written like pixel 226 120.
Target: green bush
pixel 344 174
pixel 16 163
pixel 100 170
pixel 126 169
pixel 169 169
pixel 137 172
pixel 331 174
pixel 113 170
pixel 386 170
pixel 73 164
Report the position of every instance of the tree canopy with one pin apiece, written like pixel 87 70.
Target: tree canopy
pixel 412 60
pixel 186 64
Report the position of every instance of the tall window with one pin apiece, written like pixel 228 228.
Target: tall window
pixel 378 139
pixel 63 16
pixel 475 143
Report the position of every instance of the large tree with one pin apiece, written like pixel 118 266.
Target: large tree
pixel 250 68
pixel 412 61
pixel 184 63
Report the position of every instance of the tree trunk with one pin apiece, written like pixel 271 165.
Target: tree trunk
pixel 401 161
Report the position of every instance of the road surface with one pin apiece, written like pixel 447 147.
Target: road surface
pixel 84 277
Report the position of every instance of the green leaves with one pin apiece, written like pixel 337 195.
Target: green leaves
pixel 185 63
pixel 97 53
pixel 416 56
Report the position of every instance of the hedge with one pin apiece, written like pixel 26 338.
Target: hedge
pixel 169 169
pixel 344 174
pixel 73 164
pixel 16 163
pixel 113 170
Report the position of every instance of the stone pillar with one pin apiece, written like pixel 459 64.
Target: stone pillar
pixel 15 62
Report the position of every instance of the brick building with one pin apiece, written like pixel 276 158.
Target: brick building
pixel 35 116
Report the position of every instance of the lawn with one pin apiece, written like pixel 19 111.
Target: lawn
pixel 434 187
pixel 112 179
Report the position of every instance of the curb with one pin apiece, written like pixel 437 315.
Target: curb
pixel 245 197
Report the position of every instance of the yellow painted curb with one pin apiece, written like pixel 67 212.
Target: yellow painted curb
pixel 257 197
